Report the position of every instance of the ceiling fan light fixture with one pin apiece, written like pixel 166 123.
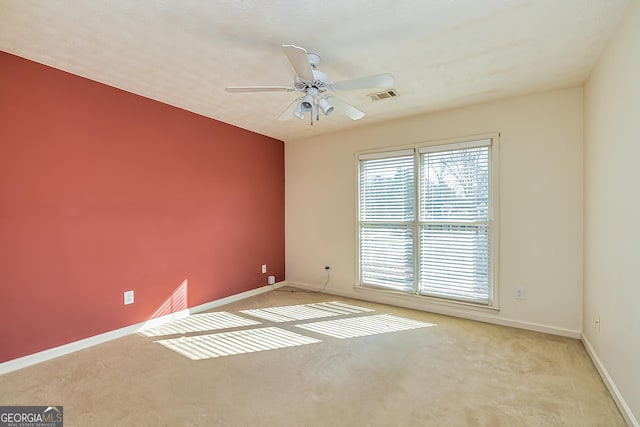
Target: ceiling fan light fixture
pixel 325 106
pixel 307 103
pixel 298 111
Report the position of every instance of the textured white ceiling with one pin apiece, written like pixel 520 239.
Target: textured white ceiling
pixel 442 53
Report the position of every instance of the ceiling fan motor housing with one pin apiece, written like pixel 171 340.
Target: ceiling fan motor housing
pixel 321 82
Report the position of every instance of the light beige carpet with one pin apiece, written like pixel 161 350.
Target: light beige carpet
pixel 359 364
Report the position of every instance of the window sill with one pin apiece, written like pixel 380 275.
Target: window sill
pixel 432 301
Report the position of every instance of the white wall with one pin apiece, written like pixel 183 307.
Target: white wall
pixel 540 205
pixel 612 210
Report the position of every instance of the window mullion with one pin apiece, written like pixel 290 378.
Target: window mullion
pixel 416 222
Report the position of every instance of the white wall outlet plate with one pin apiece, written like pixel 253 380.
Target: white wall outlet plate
pixel 264 268
pixel 128 297
pixel 519 293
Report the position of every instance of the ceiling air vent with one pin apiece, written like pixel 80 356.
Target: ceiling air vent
pixel 379 96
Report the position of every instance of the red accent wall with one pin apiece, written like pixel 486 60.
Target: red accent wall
pixel 103 191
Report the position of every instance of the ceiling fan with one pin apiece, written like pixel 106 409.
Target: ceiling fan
pixel 314 84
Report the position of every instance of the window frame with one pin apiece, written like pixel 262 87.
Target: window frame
pixel 433 146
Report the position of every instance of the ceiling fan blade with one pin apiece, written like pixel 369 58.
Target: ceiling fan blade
pixel 379 80
pixel 237 89
pixel 347 109
pixel 287 114
pixel 299 60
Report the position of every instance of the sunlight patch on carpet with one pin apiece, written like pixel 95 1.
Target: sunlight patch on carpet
pixel 305 311
pixel 237 342
pixel 362 326
pixel 199 323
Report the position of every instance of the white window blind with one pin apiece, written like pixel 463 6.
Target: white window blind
pixel 454 224
pixel 434 237
pixel 386 222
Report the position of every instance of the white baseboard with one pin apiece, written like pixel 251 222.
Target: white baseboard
pixel 442 308
pixel 52 353
pixel 613 389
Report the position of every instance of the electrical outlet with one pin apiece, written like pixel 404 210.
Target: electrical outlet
pixel 128 297
pixel 519 293
pixel 264 268
pixel 597 322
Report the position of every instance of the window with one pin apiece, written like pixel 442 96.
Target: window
pixel 387 217
pixel 425 221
